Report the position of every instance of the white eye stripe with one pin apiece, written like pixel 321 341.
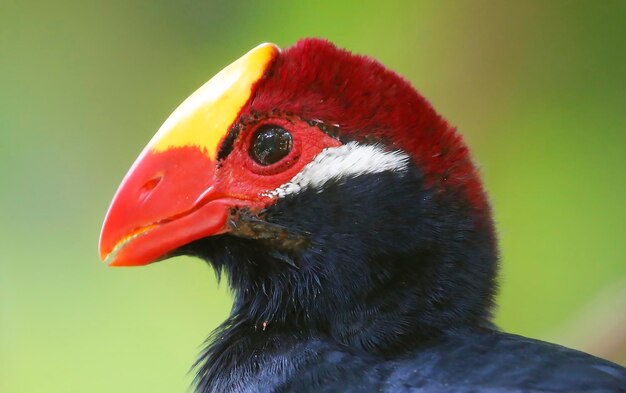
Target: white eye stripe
pixel 347 161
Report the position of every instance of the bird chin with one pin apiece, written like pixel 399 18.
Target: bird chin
pixel 243 222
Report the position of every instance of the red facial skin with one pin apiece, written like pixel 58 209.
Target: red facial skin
pixel 243 177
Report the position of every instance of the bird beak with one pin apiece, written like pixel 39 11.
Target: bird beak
pixel 171 196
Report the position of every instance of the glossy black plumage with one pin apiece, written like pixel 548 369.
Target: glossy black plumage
pixel 464 362
pixel 393 295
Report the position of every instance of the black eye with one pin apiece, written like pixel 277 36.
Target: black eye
pixel 270 144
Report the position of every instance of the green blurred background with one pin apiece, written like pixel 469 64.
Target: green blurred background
pixel 538 88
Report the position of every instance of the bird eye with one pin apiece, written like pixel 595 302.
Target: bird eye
pixel 270 144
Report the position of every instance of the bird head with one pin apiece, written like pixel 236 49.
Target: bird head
pixel 325 186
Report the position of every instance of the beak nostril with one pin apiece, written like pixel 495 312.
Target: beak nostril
pixel 148 187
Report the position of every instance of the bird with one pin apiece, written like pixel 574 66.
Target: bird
pixel 352 226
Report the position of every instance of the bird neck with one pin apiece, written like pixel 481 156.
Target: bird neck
pixel 398 310
pixel 381 291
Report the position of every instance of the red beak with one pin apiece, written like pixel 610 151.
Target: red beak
pixel 171 195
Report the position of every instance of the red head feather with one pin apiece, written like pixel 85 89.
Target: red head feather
pixel 317 81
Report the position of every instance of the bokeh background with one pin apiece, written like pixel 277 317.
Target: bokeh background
pixel 537 87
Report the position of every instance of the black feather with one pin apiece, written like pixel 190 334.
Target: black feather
pixel 393 293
